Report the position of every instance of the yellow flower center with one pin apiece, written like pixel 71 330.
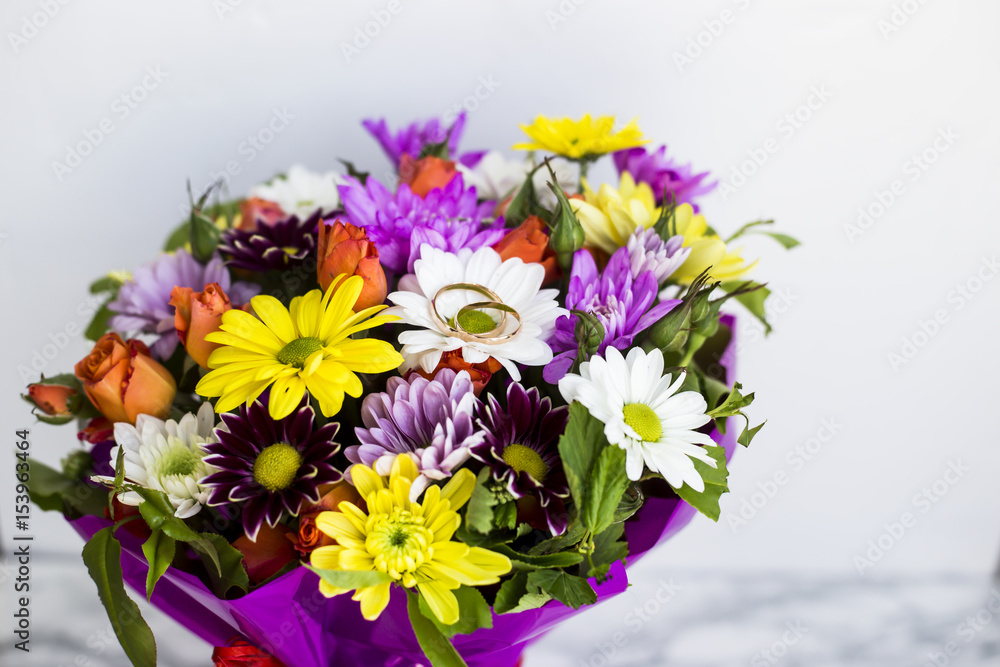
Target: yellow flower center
pixel 300 349
pixel 525 459
pixel 399 543
pixel 179 460
pixel 276 467
pixel 643 421
pixel 476 321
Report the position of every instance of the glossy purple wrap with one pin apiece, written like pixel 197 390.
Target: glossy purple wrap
pixel 291 620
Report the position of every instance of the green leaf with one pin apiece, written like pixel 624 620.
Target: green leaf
pixel 707 502
pixel 102 556
pixel 159 515
pixel 609 548
pixel 574 533
pixel 746 437
pixel 524 202
pixel 733 403
pixel 514 596
pixel 180 237
pixel 435 645
pixel 473 613
pixel 569 589
pixel 579 448
pixel 479 511
pixel 505 515
pixel 630 503
pixel 354 172
pixel 99 324
pixel 784 239
pixel 487 541
pixel 605 486
pixel 743 230
pixel 752 301
pixel 204 237
pixel 159 552
pixel 47 487
pixel 351 579
pixel 545 561
pixel 232 573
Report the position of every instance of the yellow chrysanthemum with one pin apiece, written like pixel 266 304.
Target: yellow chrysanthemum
pixel 304 347
pixel 610 216
pixel 707 250
pixel 409 542
pixel 580 139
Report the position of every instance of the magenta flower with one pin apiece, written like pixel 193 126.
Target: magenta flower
pixel 415 136
pixel 663 174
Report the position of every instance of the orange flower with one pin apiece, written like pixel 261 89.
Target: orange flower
pixel 265 557
pixel 52 399
pixel 254 209
pixel 309 536
pixel 197 314
pixel 480 373
pixel 123 381
pixel 346 249
pixel 425 174
pixel 530 243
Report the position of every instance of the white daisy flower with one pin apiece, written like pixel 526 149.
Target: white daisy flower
pixel 496 177
pixel 301 191
pixel 476 303
pixel 643 414
pixel 167 456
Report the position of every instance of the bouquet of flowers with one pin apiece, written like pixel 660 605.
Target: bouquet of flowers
pixel 341 419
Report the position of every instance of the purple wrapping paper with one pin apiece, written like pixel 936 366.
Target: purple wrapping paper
pixel 291 620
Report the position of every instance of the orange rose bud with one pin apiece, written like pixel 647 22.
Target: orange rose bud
pixel 425 174
pixel 265 557
pixel 530 243
pixel 123 381
pixel 344 248
pixel 309 536
pixel 197 314
pixel 480 373
pixel 256 209
pixel 52 399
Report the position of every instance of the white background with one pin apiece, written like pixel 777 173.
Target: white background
pixel 851 300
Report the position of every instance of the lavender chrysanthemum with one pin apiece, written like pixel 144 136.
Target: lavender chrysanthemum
pixel 663 174
pixel 648 252
pixel 432 421
pixel 623 304
pixel 143 303
pixel 414 137
pixel 271 247
pixel 398 224
pixel 270 466
pixel 521 450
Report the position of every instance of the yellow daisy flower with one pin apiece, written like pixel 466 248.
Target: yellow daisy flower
pixel 609 216
pixel 580 139
pixel 707 250
pixel 304 347
pixel 409 542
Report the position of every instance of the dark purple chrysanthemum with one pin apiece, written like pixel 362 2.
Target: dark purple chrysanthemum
pixel 623 304
pixel 521 449
pixel 282 245
pixel 270 466
pixel 663 174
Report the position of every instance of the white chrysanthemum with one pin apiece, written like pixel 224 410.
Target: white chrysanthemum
pixel 496 177
pixel 301 191
pixel 643 413
pixel 167 456
pixel 481 332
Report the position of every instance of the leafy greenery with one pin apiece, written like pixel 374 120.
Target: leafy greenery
pixel 435 645
pixel 159 552
pixel 473 613
pixel 351 579
pixel 569 589
pixel 707 501
pixel 514 596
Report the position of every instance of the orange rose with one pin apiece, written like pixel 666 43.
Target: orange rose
pixel 480 373
pixel 346 249
pixel 265 557
pixel 309 536
pixel 254 209
pixel 197 314
pixel 531 244
pixel 425 174
pixel 55 400
pixel 123 381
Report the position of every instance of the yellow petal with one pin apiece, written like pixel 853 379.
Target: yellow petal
pixel 374 600
pixel 338 526
pixel 440 600
pixel 250 328
pixel 275 317
pixel 365 480
pixel 285 396
pixel 459 488
pixel 326 558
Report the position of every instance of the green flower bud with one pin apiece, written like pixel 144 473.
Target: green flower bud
pixel 589 332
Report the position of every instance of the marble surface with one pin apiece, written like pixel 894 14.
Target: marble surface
pixel 677 617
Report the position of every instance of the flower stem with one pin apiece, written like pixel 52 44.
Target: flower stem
pixel 694 344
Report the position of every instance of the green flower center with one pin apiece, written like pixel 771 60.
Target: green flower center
pixel 643 421
pixel 300 349
pixel 180 460
pixel 476 322
pixel 276 467
pixel 525 459
pixel 399 543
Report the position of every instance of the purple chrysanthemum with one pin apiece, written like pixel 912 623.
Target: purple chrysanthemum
pixel 521 450
pixel 446 218
pixel 271 247
pixel 433 421
pixel 663 174
pixel 270 466
pixel 623 304
pixel 648 252
pixel 414 137
pixel 143 303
